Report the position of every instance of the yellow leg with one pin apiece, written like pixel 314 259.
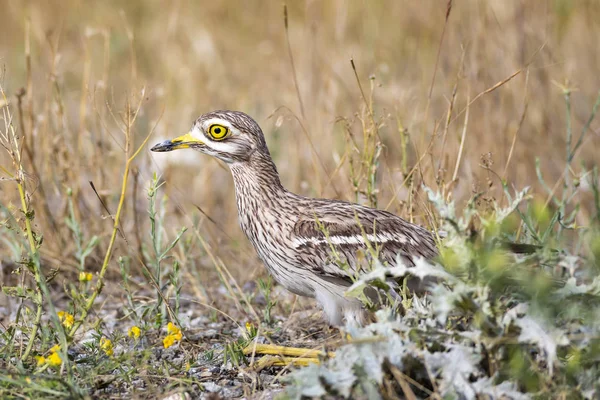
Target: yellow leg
pixel 282 356
pixel 275 361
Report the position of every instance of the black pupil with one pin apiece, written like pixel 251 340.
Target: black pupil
pixel 217 130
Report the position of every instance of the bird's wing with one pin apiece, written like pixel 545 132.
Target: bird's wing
pixel 349 227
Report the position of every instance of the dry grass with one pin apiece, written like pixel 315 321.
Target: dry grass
pixel 451 103
pixel 182 59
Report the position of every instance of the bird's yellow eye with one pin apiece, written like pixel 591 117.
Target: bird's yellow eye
pixel 218 132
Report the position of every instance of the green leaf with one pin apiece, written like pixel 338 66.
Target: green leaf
pixel 21 292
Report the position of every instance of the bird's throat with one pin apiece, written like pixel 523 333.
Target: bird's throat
pixel 256 179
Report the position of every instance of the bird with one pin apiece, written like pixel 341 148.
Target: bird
pixel 313 247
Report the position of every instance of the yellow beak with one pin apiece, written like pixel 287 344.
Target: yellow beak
pixel 181 142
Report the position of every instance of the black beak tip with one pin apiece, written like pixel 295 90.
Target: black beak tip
pixel 162 146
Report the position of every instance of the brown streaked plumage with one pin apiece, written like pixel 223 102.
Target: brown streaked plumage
pixel 302 241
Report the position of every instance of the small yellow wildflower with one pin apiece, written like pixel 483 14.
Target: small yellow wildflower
pixel 174 331
pixel 55 348
pixel 172 328
pixel 41 360
pixel 66 319
pixel 107 346
pixel 251 330
pixel 174 335
pixel 85 276
pixel 168 341
pixel 134 332
pixel 54 360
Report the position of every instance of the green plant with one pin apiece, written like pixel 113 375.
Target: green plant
pixel 493 323
pixel 160 253
pixel 265 286
pixel 365 150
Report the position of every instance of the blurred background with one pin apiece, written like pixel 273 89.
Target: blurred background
pixel 417 109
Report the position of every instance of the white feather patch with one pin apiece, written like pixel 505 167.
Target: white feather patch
pixel 382 237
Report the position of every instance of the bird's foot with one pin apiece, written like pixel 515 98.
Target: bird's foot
pixel 273 355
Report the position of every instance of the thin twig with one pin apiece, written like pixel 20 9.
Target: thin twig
pixel 442 161
pixel 289 48
pixel 462 143
pixel 522 119
pixel 437 60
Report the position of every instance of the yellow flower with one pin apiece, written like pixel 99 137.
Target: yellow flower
pixel 66 319
pixel 85 276
pixel 54 360
pixel 168 341
pixel 41 360
pixel 134 332
pixel 55 348
pixel 172 328
pixel 251 330
pixel 107 346
pixel 174 335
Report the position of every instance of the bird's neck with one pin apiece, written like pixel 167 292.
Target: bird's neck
pixel 256 179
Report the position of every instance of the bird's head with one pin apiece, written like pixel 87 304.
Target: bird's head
pixel 231 136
